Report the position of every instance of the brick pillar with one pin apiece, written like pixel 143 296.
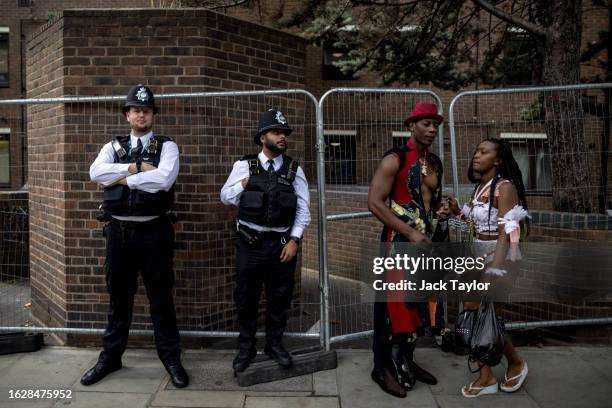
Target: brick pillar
pixel 104 52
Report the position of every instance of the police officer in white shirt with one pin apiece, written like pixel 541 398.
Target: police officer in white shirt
pixel 138 173
pixel 271 192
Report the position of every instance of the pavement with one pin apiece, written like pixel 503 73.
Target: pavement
pixel 558 377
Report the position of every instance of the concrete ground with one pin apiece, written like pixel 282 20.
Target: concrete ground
pixel 558 377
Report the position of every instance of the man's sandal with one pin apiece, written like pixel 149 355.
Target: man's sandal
pixel 490 389
pixel 521 379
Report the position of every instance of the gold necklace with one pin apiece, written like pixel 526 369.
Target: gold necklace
pixel 423 161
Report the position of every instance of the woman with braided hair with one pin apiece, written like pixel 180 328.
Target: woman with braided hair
pixel 497 207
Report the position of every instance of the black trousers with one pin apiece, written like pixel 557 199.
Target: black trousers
pixel 147 247
pixel 259 265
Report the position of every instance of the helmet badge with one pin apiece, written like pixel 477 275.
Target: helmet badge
pixel 142 94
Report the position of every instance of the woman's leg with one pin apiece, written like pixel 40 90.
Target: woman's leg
pixel 515 363
pixel 485 379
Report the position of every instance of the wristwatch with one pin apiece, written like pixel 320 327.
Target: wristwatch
pixel 138 166
pixel 296 239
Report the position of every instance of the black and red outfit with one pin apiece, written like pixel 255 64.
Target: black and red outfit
pixel 397 323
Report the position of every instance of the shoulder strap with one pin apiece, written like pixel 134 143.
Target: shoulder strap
pixel 290 167
pixel 253 161
pixel 120 143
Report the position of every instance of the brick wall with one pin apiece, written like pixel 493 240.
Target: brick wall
pixel 104 52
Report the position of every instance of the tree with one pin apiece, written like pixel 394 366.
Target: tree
pixel 452 44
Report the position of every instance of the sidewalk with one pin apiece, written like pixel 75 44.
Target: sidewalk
pixel 558 377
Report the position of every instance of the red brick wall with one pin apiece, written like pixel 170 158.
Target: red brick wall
pixel 46 177
pixel 104 52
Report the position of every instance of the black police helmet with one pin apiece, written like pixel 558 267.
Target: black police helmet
pixel 271 119
pixel 139 95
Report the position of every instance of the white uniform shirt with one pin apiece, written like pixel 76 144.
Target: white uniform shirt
pixel 232 190
pixel 105 171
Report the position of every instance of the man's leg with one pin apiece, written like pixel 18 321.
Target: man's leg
pixel 383 373
pixel 121 282
pixel 279 281
pixel 155 254
pixel 250 261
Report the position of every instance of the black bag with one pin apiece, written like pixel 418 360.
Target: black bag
pixel 464 327
pixel 488 337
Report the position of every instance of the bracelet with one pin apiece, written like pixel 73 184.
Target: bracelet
pixel 296 239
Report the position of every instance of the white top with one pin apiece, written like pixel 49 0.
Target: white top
pixel 479 211
pixel 105 171
pixel 232 190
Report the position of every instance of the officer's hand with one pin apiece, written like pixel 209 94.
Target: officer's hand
pixel 245 182
pixel 289 251
pixel 147 167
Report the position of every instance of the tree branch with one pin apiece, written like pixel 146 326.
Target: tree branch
pixel 516 21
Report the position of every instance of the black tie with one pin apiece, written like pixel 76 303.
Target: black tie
pixel 136 150
pixel 270 166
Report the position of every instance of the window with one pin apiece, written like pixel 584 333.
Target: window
pixel 5 156
pixel 521 61
pixel 400 138
pixel 340 160
pixel 332 55
pixel 4 57
pixel 24 3
pixel 530 150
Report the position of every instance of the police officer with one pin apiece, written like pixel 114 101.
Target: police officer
pixel 138 173
pixel 271 192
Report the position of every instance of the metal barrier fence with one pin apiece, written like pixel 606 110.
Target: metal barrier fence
pixel 339 142
pixel 212 129
pixel 559 136
pixel 358 125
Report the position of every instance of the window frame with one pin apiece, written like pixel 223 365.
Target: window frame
pixel 342 163
pixel 538 140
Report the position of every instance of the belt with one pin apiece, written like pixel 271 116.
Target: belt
pixel 140 224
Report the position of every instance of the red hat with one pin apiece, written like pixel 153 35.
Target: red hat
pixel 423 110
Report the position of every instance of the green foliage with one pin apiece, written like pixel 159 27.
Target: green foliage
pixel 449 44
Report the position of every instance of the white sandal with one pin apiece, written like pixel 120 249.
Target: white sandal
pixel 522 376
pixel 489 389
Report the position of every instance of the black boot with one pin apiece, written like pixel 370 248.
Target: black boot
pixel 243 359
pixel 419 373
pixel 278 353
pixel 388 383
pixel 402 370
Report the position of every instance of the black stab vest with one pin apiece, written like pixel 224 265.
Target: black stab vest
pixel 121 200
pixel 269 198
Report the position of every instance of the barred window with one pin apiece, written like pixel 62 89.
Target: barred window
pixel 340 157
pixel 530 150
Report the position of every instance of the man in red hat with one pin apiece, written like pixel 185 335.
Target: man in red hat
pixel 411 177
